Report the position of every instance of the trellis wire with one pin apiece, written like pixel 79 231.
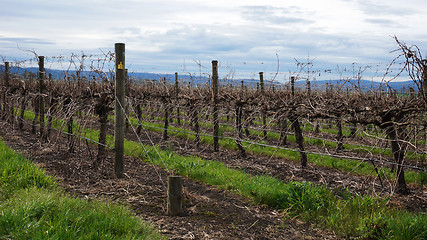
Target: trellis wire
pixel 290 149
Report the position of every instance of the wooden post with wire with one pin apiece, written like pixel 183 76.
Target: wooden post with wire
pixel 174 205
pixel 215 103
pixel 293 86
pixel 119 109
pixel 261 82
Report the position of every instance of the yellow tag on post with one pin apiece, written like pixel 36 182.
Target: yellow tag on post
pixel 121 66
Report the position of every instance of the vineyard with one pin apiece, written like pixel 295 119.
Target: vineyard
pixel 353 142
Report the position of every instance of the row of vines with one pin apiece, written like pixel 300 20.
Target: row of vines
pixel 265 116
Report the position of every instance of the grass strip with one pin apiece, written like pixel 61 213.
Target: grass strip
pixel 34 207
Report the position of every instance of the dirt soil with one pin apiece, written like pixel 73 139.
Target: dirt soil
pixel 210 213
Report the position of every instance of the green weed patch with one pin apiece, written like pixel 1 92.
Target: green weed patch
pixel 33 207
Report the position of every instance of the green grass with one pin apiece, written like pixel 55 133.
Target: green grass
pixel 349 215
pixel 32 206
pixel 16 173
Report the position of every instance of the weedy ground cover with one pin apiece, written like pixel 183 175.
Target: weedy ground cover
pixel 32 206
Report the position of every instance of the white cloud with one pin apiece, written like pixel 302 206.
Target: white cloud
pixel 385 8
pixel 162 34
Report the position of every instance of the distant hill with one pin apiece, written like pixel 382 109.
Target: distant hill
pixel 364 85
pixel 202 80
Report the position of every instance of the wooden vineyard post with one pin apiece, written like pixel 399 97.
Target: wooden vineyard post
pixel 174 206
pixel 119 116
pixel 264 120
pixel 178 117
pixel 261 82
pixel 215 103
pixel 41 89
pixel 293 86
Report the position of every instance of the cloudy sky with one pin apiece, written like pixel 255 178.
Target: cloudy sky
pixel 246 37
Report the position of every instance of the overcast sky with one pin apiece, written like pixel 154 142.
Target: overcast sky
pixel 246 37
